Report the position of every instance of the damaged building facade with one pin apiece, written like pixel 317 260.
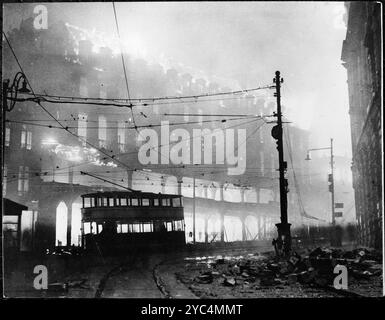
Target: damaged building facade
pixel 43 162
pixel 361 56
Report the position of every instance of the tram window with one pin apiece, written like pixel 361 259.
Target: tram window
pixel 124 228
pixel 93 202
pixel 147 227
pixel 87 203
pixel 178 226
pixel 166 202
pixel 105 202
pixel 118 228
pixel 100 228
pixel 87 227
pixel 168 226
pixel 93 228
pixel 145 202
pixel 102 202
pixel 135 227
pixel 134 202
pixel 156 202
pixel 176 202
pixel 111 202
pixel 123 202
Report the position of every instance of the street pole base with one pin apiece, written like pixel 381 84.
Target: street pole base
pixel 283 243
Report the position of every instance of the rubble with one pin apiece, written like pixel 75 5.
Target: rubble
pixel 229 282
pixel 311 269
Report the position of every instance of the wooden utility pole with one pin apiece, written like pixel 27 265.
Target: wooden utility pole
pixel 284 238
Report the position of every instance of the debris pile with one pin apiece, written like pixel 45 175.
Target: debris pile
pixel 311 269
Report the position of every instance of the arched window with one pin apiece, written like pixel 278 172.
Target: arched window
pixel 61 224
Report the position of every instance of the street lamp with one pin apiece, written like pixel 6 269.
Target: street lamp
pixel 14 89
pixel 330 180
pixel 10 93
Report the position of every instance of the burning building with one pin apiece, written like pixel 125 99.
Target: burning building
pixel 44 160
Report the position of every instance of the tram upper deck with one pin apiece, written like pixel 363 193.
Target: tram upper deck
pixel 116 221
pixel 131 205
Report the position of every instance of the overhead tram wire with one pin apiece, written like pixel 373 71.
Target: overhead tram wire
pixel 164 114
pixel 130 128
pixel 56 120
pixel 158 146
pixel 296 185
pixel 153 99
pixel 119 105
pixel 75 135
pixel 124 67
pixel 113 103
pixel 52 116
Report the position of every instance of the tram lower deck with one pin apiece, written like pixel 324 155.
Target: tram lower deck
pixel 116 222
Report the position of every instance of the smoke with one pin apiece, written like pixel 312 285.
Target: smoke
pixel 244 42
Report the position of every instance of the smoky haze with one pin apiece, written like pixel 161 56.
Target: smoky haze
pixel 242 42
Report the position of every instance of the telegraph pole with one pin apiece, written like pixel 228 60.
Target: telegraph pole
pixel 284 238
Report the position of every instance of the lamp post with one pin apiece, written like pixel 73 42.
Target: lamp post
pixel 330 180
pixel 10 93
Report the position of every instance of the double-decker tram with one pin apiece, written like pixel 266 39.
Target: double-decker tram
pixel 121 221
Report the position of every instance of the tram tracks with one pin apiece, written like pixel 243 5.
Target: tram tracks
pixel 130 264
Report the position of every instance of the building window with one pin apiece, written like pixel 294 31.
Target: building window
pixel 121 136
pixel 26 138
pixel 82 127
pixel 5 172
pixel 102 132
pixel 83 90
pixel 7 136
pixel 23 181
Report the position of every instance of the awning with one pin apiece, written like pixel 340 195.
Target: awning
pixel 12 208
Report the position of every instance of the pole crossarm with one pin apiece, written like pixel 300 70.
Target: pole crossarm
pixel 326 148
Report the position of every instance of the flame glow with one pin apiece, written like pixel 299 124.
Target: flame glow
pixel 78 154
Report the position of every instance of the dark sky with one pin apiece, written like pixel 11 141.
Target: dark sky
pixel 245 42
